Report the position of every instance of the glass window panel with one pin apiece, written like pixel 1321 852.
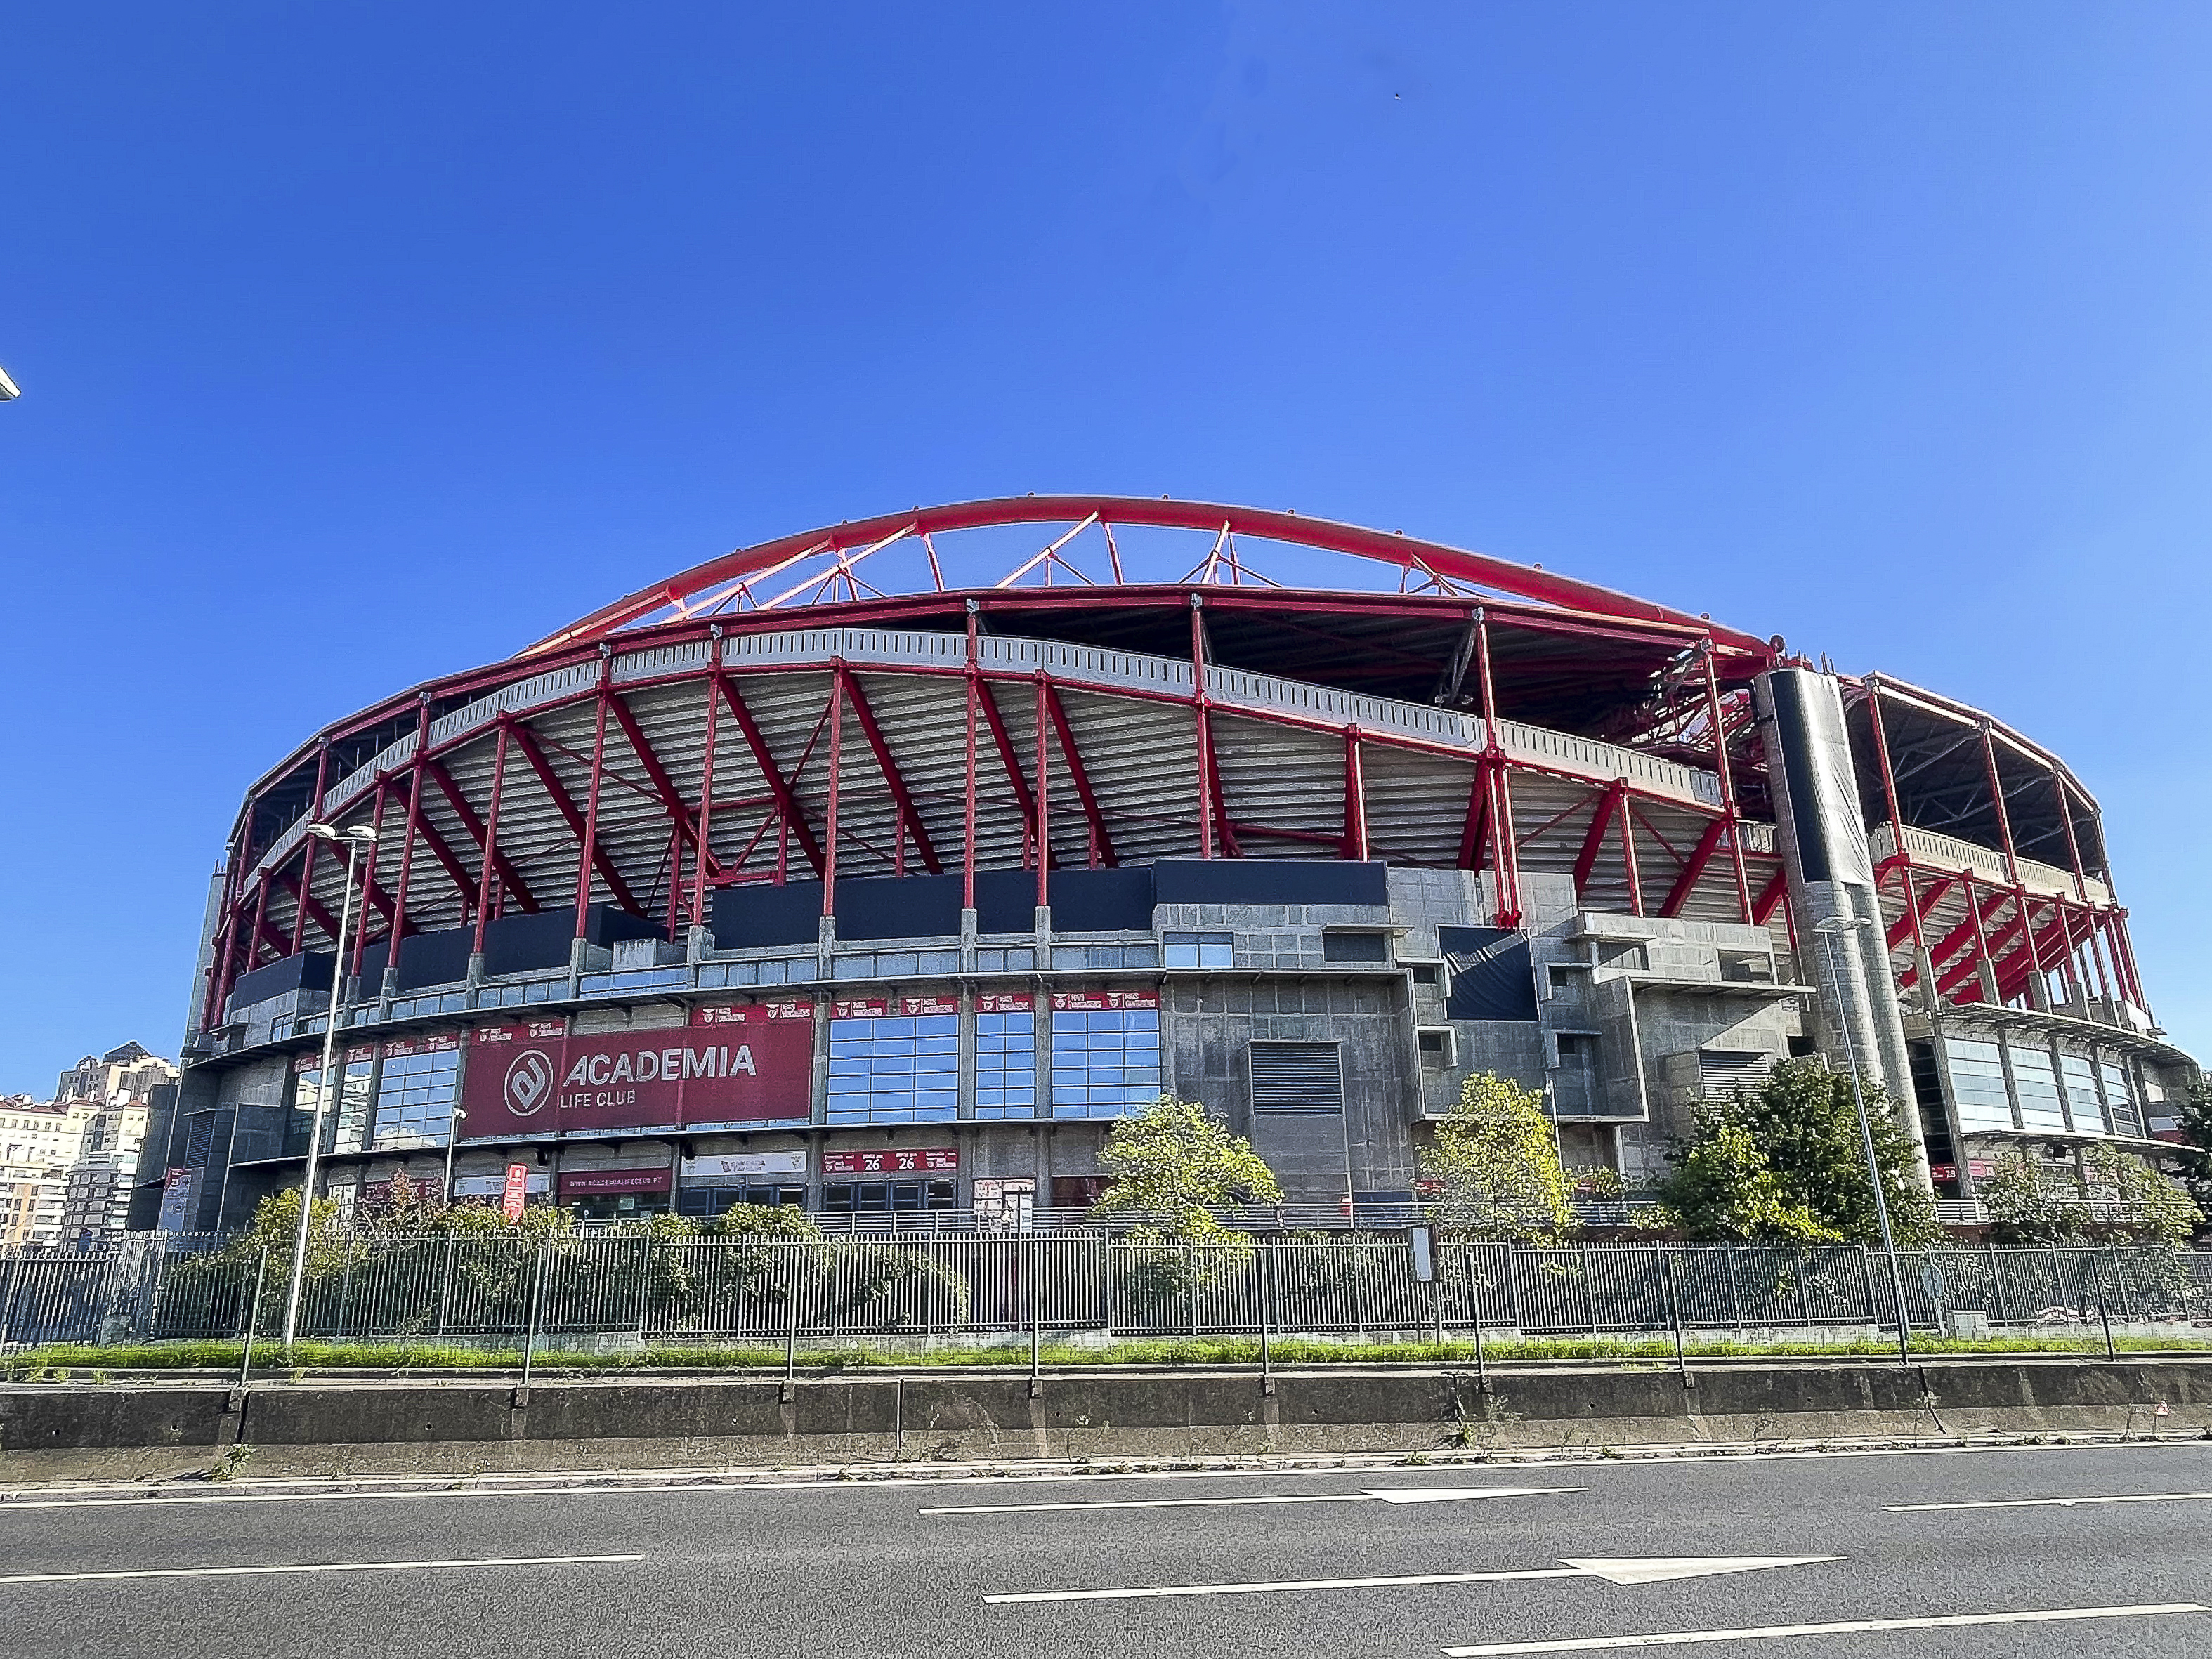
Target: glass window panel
pixel 2082 1094
pixel 1977 1084
pixel 2038 1087
pixel 2120 1100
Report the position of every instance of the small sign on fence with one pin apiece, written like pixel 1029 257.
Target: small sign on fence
pixel 1422 1240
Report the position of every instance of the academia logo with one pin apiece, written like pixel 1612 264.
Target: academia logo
pixel 529 1082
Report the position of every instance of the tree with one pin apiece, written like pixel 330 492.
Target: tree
pixel 1173 1164
pixel 1492 1170
pixel 1789 1157
pixel 2195 1150
pixel 1723 1187
pixel 2115 1197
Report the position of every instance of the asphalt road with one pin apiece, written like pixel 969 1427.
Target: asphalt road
pixel 911 1567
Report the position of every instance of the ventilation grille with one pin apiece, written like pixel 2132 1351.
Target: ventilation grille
pixel 1297 1077
pixel 1722 1071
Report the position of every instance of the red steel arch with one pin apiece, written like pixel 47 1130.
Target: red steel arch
pixel 1391 548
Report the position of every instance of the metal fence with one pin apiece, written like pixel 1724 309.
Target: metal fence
pixel 616 1287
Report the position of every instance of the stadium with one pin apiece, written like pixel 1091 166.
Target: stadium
pixel 879 868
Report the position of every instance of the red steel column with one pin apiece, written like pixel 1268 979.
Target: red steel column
pixel 1043 791
pixel 707 779
pixel 836 757
pixel 1204 733
pixel 2012 864
pixel 1728 780
pixel 1505 850
pixel 1355 797
pixel 307 864
pixel 589 842
pixel 368 880
pixel 396 933
pixel 492 838
pixel 967 849
pixel 1627 817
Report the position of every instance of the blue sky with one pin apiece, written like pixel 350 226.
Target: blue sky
pixel 363 343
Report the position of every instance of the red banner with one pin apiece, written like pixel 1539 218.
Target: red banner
pixel 515 1192
pixel 891 1161
pixel 1102 1001
pixel 1018 1002
pixel 755 1068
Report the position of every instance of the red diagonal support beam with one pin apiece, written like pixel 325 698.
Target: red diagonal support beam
pixel 1977 915
pixel 2014 973
pixel 1700 856
pixel 464 884
pixel 1917 909
pixel 1769 901
pixel 786 803
pixel 533 752
pixel 1100 836
pixel 310 908
pixel 1216 795
pixel 1594 841
pixel 1474 833
pixel 893 780
pixel 511 881
pixel 1994 949
pixel 664 786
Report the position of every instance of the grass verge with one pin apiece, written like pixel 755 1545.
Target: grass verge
pixel 80 1363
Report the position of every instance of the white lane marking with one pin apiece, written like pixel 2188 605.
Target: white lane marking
pixel 1674 1638
pixel 1612 1570
pixel 2055 1503
pixel 1282 1584
pixel 312 1566
pixel 1387 1495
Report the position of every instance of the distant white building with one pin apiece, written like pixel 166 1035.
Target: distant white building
pixel 65 1164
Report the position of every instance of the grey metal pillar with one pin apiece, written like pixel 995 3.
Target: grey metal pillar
pixel 1830 871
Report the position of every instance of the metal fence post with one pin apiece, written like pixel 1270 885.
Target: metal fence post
pixel 1267 1299
pixel 1996 1284
pixel 2105 1316
pixel 1029 1296
pixel 537 1301
pixel 252 1317
pixel 8 1305
pixel 797 1248
pixel 1190 1285
pixel 1474 1307
pixel 445 1287
pixel 345 1293
pixel 1674 1313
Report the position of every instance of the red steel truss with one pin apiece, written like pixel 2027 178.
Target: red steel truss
pixel 443 824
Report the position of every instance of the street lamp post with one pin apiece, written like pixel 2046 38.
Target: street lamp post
pixel 1831 930
pixel 355 837
pixel 452 1132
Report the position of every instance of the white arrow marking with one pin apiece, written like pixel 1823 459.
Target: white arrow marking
pixel 1613 1570
pixel 2055 1503
pixel 1675 1638
pixel 1387 1495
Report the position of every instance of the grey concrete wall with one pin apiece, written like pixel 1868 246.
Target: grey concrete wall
pixel 1210 1026
pixel 64 1431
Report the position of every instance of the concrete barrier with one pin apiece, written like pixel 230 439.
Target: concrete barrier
pixel 57 1431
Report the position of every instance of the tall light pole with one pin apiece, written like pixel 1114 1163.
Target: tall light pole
pixel 452 1130
pixel 355 837
pixel 1832 931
